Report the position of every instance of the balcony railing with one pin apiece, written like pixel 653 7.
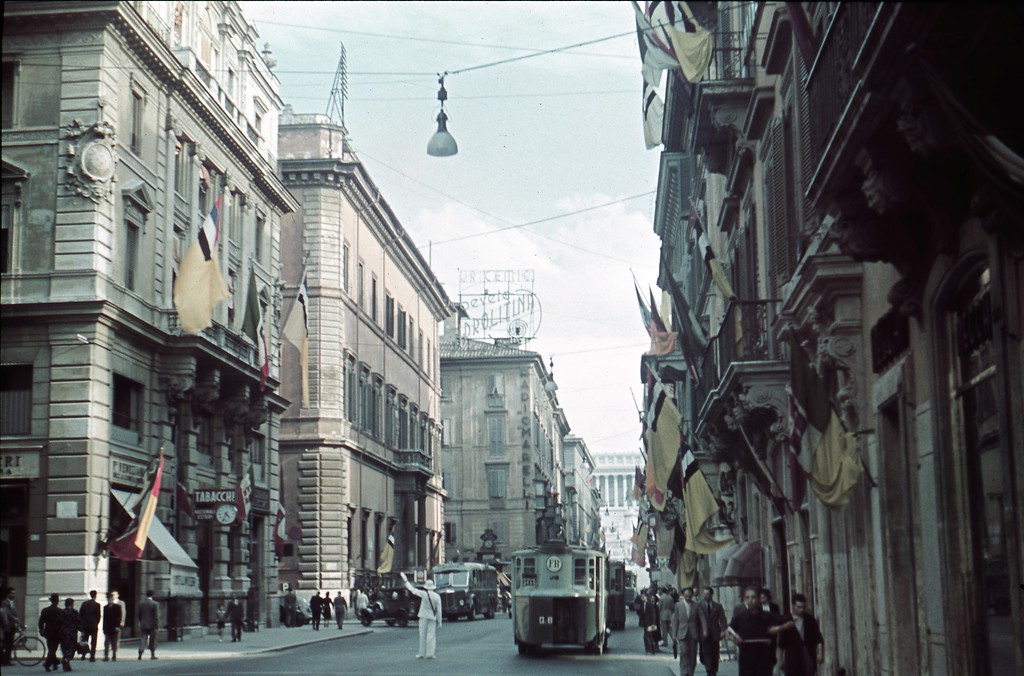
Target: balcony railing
pixel 219 335
pixel 745 336
pixel 414 460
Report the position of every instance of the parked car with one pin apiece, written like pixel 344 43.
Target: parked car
pixel 303 613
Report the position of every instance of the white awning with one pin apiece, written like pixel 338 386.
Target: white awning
pixel 158 534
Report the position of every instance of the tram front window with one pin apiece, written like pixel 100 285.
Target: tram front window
pixel 454 579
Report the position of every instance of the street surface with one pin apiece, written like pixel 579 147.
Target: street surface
pixel 463 648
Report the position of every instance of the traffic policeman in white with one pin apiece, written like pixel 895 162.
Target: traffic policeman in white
pixel 429 617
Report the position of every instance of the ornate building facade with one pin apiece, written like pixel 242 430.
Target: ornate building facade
pixel 123 124
pixel 360 449
pixel 855 171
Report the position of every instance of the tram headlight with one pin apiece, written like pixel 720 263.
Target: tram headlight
pixel 462 602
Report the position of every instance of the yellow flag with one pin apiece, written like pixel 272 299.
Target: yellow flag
pixel 837 465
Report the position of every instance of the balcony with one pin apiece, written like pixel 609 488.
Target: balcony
pixel 414 461
pixel 743 374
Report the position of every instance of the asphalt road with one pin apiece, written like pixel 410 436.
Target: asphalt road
pixel 464 648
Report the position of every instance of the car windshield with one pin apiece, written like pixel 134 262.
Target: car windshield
pixel 452 579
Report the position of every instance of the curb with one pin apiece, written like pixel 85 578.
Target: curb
pixel 174 656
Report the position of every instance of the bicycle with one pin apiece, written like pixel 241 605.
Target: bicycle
pixel 28 651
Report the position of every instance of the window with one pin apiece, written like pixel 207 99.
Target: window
pixel 496 480
pixel 256 455
pixel 403 423
pixel 183 151
pixel 359 287
pixel 389 315
pixel 391 418
pixel 378 386
pixel 401 328
pixel 7 96
pixel 419 349
pixel 131 254
pixel 412 334
pixel 7 235
pixel 446 386
pixel 138 102
pixel 500 529
pixel 496 384
pixel 127 404
pixel 261 224
pixel 16 399
pixel 351 401
pixel 237 221
pixel 344 267
pixel 364 400
pixel 496 436
pixel 446 432
pixel 373 297
pixel 449 532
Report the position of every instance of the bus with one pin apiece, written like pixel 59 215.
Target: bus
pixel 466 589
pixel 621 592
pixel 559 598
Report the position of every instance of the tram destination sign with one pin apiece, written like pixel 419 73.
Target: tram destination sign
pixel 499 304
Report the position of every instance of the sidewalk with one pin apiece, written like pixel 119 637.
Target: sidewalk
pixel 252 643
pixel 726 667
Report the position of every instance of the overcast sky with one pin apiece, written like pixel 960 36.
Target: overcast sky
pixel 538 138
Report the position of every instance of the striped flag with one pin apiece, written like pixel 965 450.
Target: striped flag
pixel 701 507
pixel 663 421
pixel 243 498
pixel 653 116
pixel 670 37
pixel 130 545
pixel 663 341
pixel 639 549
pixel 387 557
pixel 645 312
pixel 638 483
pixel 280 531
pixel 708 254
pixel 254 326
pixel 199 285
pixel 296 330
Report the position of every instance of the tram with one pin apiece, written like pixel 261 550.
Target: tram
pixel 466 589
pixel 559 598
pixel 621 592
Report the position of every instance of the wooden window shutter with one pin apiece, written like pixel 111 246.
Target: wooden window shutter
pixel 808 159
pixel 775 206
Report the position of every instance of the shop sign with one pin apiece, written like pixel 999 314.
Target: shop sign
pixel 127 473
pixel 205 502
pixel 20 464
pixel 184 581
pixel 261 500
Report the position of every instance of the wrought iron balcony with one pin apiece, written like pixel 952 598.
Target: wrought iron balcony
pixel 745 336
pixel 414 460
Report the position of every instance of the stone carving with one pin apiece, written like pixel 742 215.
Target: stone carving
pixel 91 159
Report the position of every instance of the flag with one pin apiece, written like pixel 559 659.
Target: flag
pixel 132 542
pixel 670 37
pixel 663 421
pixel 296 330
pixel 708 254
pixel 254 326
pixel 639 549
pixel 243 498
pixel 701 507
pixel 280 531
pixel 199 285
pixel 653 116
pixel 820 447
pixel 184 502
pixel 687 573
pixel 645 312
pixel 638 483
pixel 388 555
pixel 663 341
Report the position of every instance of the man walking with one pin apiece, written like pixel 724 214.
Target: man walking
pixel 236 615
pixel 49 628
pixel 429 616
pixel 362 604
pixel 314 607
pixel 113 620
pixel 666 606
pixel 801 645
pixel 70 626
pixel 339 610
pixel 687 629
pixel 291 602
pixel 754 630
pixel 149 625
pixel 713 622
pixel 9 622
pixel 650 623
pixel 326 607
pixel 90 613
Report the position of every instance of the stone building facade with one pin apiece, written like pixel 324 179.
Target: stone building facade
pixel 582 499
pixel 503 435
pixel 122 124
pixel 860 178
pixel 361 455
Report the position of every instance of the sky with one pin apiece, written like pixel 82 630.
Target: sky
pixel 553 137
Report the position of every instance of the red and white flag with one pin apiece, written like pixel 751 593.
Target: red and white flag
pixel 130 545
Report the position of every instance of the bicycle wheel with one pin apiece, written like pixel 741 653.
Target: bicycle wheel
pixel 29 651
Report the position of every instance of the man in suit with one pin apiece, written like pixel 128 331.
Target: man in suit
pixel 314 607
pixel 666 605
pixel 767 604
pixel 90 614
pixel 49 628
pixel 713 621
pixel 149 625
pixel 113 620
pixel 649 620
pixel 687 629
pixel 9 622
pixel 429 616
pixel 754 630
pixel 801 645
pixel 236 615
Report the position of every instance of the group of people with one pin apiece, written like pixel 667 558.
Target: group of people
pixel 233 613
pixel 765 637
pixel 75 631
pixel 320 607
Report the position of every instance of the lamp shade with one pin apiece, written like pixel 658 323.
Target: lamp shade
pixel 442 144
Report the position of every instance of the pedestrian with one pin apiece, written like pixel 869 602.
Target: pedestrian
pixel 314 607
pixel 767 604
pixel 362 604
pixel 801 645
pixel 49 628
pixel 666 606
pixel 754 631
pixel 687 628
pixel 90 613
pixel 291 603
pixel 149 625
pixel 714 624
pixel 222 619
pixel 327 607
pixel 113 620
pixel 9 622
pixel 429 616
pixel 70 627
pixel 339 610
pixel 650 623
pixel 236 615
pixel 638 607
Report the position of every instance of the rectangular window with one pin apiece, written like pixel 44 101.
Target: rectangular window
pixel 446 432
pixel 351 401
pixel 390 417
pixel 256 455
pixel 401 328
pixel 138 103
pixel 378 387
pixel 419 349
pixel 261 224
pixel 496 436
pixel 344 267
pixel 7 96
pixel 16 399
pixel 127 403
pixel 389 315
pixel 496 480
pixel 446 386
pixel 412 335
pixel 403 423
pixel 182 168
pixel 131 254
pixel 373 297
pixel 364 400
pixel 496 384
pixel 7 235
pixel 359 287
pixel 449 532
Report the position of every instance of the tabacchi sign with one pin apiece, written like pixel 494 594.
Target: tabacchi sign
pixel 500 304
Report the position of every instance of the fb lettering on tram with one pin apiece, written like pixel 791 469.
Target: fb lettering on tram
pixel 466 589
pixel 559 598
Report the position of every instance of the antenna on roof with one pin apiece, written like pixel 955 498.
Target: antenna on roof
pixel 339 90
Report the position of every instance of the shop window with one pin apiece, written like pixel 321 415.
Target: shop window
pixel 127 404
pixel 16 399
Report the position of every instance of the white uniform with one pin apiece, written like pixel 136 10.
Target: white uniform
pixel 429 619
